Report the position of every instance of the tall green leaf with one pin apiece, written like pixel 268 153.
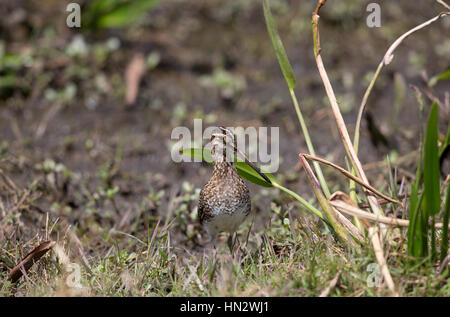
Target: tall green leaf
pixel 116 13
pixel 445 144
pixel 431 175
pixel 416 236
pixel 433 80
pixel 278 47
pixel 244 170
pixel 126 13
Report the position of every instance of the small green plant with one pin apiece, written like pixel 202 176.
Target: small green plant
pixel 101 14
pixel 425 206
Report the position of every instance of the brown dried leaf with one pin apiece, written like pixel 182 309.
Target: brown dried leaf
pixel 29 260
pixel 133 75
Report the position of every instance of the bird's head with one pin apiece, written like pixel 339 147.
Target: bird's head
pixel 223 145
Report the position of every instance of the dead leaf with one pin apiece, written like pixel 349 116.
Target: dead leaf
pixel 133 75
pixel 29 260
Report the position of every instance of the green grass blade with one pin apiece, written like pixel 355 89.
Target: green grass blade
pixel 433 80
pixel 244 170
pixel 289 76
pixel 248 173
pixel 445 144
pixel 125 13
pixel 414 232
pixel 431 174
pixel 278 47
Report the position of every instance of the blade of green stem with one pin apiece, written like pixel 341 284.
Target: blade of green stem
pixel 445 143
pixel 363 106
pixel 433 80
pixel 289 76
pixel 358 124
pixel 310 146
pixel 431 173
pixel 278 47
pixel 303 201
pixel 415 235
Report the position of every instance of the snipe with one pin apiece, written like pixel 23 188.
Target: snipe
pixel 225 199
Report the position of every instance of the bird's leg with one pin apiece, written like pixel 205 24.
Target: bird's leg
pixel 230 242
pixel 237 242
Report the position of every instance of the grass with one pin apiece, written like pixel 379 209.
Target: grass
pixel 295 259
pixel 292 255
pixel 154 246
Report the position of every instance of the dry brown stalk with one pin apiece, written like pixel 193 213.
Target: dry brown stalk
pixel 32 257
pixel 444 4
pixel 330 286
pixel 357 212
pixel 375 206
pixel 351 176
pixel 379 254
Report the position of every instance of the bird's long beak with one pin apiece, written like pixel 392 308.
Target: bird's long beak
pixel 257 170
pixel 225 131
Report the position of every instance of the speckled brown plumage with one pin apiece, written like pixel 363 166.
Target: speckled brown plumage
pixel 225 199
pixel 225 188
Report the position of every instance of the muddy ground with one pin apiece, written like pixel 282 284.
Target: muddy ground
pixel 68 108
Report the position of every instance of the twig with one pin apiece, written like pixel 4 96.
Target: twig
pixel 330 286
pixel 357 212
pixel 386 60
pixel 329 212
pixel 443 3
pixel 356 179
pixel 389 54
pixel 42 127
pixel 373 234
pixel 349 225
pixel 31 258
pixel 337 114
pixel 20 203
pixel 320 3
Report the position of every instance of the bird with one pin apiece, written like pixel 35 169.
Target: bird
pixel 224 201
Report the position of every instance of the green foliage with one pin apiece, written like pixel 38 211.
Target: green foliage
pixel 445 144
pixel 442 76
pixel 289 76
pixel 102 14
pixel 244 170
pixel 432 200
pixel 278 47
pixel 425 206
